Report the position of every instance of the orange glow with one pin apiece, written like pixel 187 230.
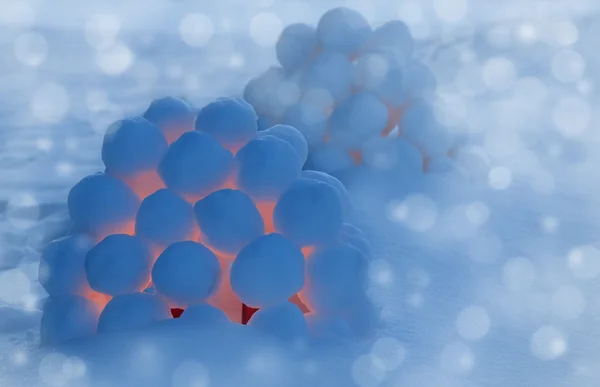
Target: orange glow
pixel 99 299
pixel 302 298
pixel 172 133
pixel 296 300
pixel 266 210
pixel 127 228
pixel 145 183
pixel 229 184
pixel 394 116
pixel 307 250
pixel 356 156
pixel 225 298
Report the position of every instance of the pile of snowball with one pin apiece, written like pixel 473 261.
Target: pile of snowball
pixel 357 94
pixel 197 211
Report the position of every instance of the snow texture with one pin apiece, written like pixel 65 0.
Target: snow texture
pixel 119 264
pixel 268 271
pixel 186 273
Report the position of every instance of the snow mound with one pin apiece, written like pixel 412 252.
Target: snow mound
pixel 206 219
pixel 356 93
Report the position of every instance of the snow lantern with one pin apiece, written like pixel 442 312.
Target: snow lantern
pixel 359 96
pixel 201 217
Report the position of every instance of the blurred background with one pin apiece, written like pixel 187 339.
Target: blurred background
pixel 488 285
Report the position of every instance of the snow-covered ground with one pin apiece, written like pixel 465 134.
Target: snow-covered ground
pixel 482 284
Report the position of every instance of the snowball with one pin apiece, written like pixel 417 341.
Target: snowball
pixel 309 119
pixel 100 202
pixel 421 81
pixel 336 278
pixel 343 29
pixel 419 126
pixel 285 321
pixel 231 121
pixel 290 135
pixel 266 166
pixel 67 317
pixel 195 164
pixel 357 119
pixel 260 92
pixel 131 311
pixel 383 74
pixel 393 153
pixel 353 236
pixel 296 44
pixel 395 35
pixel 229 219
pixel 268 271
pixel 186 273
pixel 335 183
pixel 131 146
pixel 331 71
pixel 62 265
pixel 164 218
pixel 309 213
pixel 173 116
pixel 204 314
pixel 119 264
pixel 331 158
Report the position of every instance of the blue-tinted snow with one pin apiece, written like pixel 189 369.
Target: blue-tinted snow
pixel 488 287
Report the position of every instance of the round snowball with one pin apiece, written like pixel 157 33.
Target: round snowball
pixel 132 311
pixel 131 146
pixel 421 81
pixel 119 264
pixel 204 314
pixel 266 166
pixel 393 153
pixel 330 158
pixel 343 29
pixel 186 273
pixel 229 219
pixel 331 71
pixel 173 116
pixel 295 46
pixel 290 135
pixel 357 119
pixel 395 35
pixel 285 321
pixel 62 265
pixel 260 92
pixel 268 271
pixel 67 317
pixel 335 183
pixel 337 278
pixel 196 164
pixel 231 121
pixel 164 218
pixel 309 213
pixel 100 202
pixel 354 237
pixel 309 119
